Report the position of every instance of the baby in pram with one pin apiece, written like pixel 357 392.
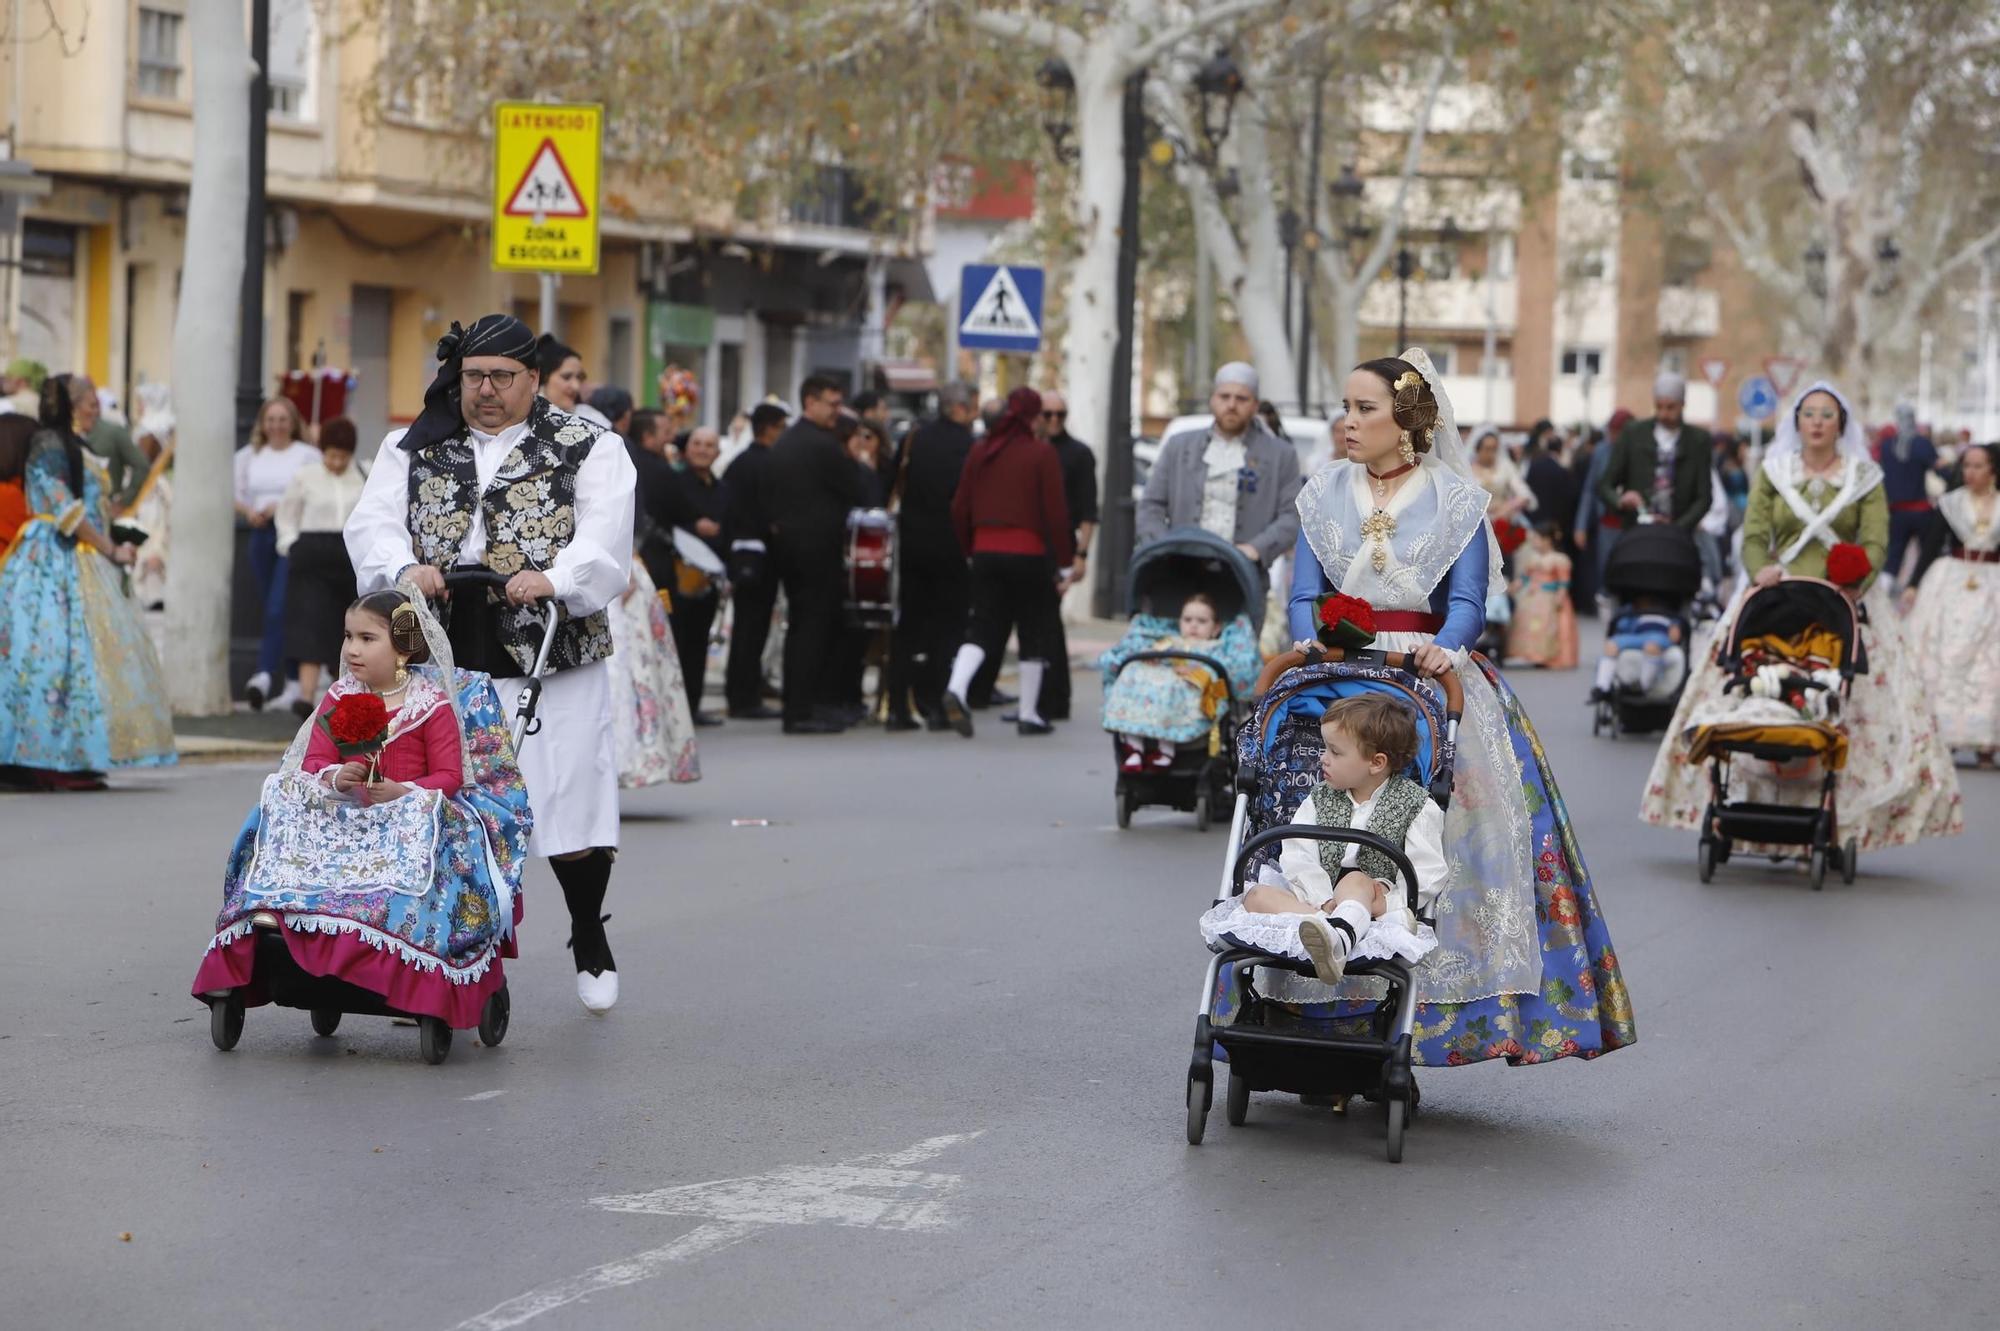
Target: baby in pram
pixel 1343 892
pixel 387 851
pixel 1153 707
pixel 1647 625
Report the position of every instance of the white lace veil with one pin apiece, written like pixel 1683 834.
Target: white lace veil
pixel 1449 449
pixel 440 667
pixel 1786 441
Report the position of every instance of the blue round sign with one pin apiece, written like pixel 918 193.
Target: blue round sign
pixel 1758 397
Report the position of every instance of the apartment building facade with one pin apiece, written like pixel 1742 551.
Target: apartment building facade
pixel 377 232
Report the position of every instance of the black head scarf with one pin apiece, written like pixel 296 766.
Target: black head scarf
pixel 492 335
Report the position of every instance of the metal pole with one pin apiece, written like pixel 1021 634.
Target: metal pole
pixel 250 310
pixel 1116 539
pixel 1204 311
pixel 1312 226
pixel 1491 346
pixel 1402 298
pixel 548 310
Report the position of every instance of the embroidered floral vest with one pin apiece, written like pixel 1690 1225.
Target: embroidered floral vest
pixel 530 515
pixel 1397 805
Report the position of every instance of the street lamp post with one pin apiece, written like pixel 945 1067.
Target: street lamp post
pixel 1406 264
pixel 250 310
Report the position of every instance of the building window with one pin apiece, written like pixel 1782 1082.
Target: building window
pixel 1592 166
pixel 1587 265
pixel 1582 360
pixel 1674 360
pixel 1440 357
pixel 1439 261
pixel 291 59
pixel 159 54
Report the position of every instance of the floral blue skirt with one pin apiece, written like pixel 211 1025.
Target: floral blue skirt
pixel 1583 1009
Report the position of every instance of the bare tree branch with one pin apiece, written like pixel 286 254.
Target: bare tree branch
pixel 1192 26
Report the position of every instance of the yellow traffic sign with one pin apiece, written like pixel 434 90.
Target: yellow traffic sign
pixel 546 161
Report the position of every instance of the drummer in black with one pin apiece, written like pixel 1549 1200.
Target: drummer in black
pixel 809 484
pixel 934 588
pixel 753 577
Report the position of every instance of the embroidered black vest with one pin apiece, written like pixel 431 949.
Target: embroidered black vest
pixel 1397 805
pixel 530 516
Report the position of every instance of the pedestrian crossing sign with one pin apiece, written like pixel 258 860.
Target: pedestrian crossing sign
pixel 546 161
pixel 1000 308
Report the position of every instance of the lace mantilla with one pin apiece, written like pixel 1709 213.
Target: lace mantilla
pixel 1433 528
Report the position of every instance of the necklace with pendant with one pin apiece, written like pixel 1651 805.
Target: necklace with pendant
pixel 1380 525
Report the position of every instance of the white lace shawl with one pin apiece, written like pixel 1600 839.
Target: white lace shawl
pixel 1438 513
pixel 1956 506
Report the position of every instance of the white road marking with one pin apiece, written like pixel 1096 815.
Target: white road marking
pixel 483 1095
pixel 881 1191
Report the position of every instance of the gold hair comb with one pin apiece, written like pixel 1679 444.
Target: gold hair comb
pixel 1409 379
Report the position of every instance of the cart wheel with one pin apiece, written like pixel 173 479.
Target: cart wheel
pixel 1202 814
pixel 1396 1122
pixel 1849 862
pixel 326 1020
pixel 1125 802
pixel 1237 1106
pixel 1197 1107
pixel 1704 860
pixel 1597 723
pixel 434 1039
pixel 493 1017
pixel 225 1021
pixel 1816 867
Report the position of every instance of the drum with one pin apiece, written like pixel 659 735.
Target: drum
pixel 872 583
pixel 698 571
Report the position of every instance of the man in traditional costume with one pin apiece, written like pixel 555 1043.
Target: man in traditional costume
pixel 492 476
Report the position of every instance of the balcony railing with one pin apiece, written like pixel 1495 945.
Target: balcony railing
pixel 1689 312
pixel 1457 303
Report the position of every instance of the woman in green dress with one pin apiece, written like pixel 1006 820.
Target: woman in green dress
pixel 1818 488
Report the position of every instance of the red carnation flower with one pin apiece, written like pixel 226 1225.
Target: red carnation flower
pixel 1847 565
pixel 357 724
pixel 1345 621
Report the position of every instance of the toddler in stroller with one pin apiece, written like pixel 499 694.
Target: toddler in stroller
pixel 1171 699
pixel 1655 572
pixel 380 873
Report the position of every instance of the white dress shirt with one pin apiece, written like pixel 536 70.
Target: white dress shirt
pixel 1224 460
pixel 317 501
pixel 589 573
pixel 263 473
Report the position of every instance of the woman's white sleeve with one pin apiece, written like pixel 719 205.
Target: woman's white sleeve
pixel 377 531
pixel 1425 847
pixel 1299 860
pixel 592 570
pixel 291 511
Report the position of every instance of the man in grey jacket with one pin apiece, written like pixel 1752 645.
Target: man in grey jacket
pixel 1235 478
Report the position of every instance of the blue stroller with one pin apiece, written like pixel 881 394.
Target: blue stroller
pixel 1327 1050
pixel 1164 574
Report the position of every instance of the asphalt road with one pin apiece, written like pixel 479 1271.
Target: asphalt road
pixel 930 1026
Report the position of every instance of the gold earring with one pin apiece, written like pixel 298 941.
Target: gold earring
pixel 1408 449
pixel 402 671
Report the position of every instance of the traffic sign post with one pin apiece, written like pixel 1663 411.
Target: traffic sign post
pixel 1715 370
pixel 1758 397
pixel 1000 308
pixel 1784 372
pixel 546 169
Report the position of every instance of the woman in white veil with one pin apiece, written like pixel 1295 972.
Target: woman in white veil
pixel 1524 967
pixel 1818 487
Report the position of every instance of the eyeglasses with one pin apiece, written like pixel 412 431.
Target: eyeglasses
pixel 1055 415
pixel 501 379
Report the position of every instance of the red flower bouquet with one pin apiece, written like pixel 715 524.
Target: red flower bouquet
pixel 358 725
pixel 1847 565
pixel 1344 621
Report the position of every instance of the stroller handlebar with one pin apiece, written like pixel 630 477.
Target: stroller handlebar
pixel 1351 835
pixel 1454 691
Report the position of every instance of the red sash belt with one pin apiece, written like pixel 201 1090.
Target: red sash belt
pixel 1911 506
pixel 1407 621
pixel 1970 556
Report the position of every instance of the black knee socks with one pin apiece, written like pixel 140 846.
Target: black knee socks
pixel 584 883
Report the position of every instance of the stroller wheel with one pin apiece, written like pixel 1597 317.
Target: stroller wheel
pixel 1197 1110
pixel 1704 859
pixel 493 1017
pixel 433 1039
pixel 1237 1107
pixel 1848 861
pixel 326 1020
pixel 1397 1120
pixel 1125 803
pixel 1203 814
pixel 1816 867
pixel 225 1021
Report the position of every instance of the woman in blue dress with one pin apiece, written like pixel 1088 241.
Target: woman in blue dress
pixel 80 688
pixel 1524 969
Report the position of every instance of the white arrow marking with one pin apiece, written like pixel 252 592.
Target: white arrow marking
pixel 869 1191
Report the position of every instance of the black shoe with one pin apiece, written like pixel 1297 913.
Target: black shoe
pixel 1001 698
pixel 936 721
pixel 1011 716
pixel 957 715
pixel 1597 696
pixel 1035 728
pixel 814 727
pixel 899 724
pixel 757 713
pixel 707 719
pixel 849 714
